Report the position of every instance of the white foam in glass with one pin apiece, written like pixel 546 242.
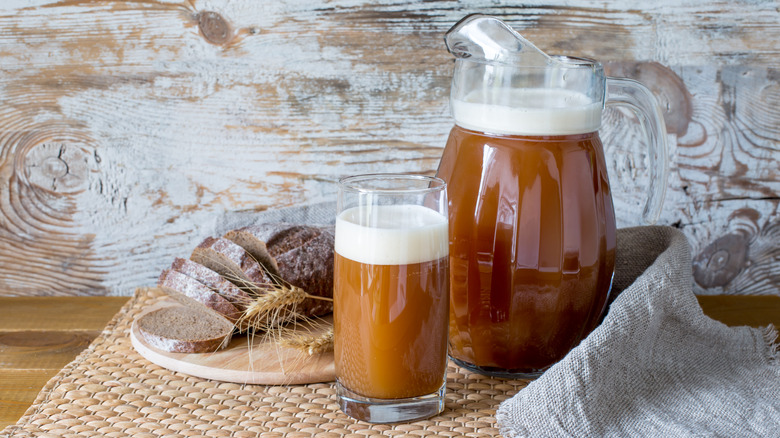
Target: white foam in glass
pixel 391 234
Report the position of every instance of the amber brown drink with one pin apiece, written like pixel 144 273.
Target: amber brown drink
pixel 532 246
pixel 391 297
pixel 392 327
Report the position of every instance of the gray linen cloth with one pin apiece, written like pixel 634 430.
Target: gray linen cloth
pixel 321 213
pixel 656 366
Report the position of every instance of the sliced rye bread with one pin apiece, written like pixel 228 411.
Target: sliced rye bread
pixel 233 263
pixel 303 256
pixel 185 329
pixel 213 280
pixel 191 292
pixel 255 247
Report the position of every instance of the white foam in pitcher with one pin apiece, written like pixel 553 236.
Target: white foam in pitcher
pixel 527 111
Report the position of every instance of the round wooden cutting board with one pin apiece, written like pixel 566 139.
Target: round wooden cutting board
pixel 246 359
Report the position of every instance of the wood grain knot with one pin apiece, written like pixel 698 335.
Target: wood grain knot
pixel 214 28
pixel 58 166
pixel 721 261
pixel 54 167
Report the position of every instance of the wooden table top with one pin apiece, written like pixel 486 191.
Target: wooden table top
pixel 40 335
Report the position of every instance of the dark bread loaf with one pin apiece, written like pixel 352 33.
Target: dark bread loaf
pixel 223 275
pixel 213 280
pixel 185 329
pixel 233 263
pixel 191 292
pixel 285 239
pixel 303 257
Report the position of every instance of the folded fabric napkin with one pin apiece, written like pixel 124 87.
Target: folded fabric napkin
pixel 656 366
pixel 321 213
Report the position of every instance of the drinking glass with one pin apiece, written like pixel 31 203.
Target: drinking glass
pixel 391 296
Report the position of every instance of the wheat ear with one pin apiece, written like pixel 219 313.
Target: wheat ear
pixel 311 344
pixel 274 308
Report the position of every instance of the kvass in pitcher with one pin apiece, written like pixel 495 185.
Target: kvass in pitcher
pixel 532 226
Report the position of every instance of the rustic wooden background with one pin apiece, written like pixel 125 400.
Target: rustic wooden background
pixel 126 126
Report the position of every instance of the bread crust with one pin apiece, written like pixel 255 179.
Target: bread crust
pixel 191 292
pixel 212 280
pixel 244 238
pixel 233 263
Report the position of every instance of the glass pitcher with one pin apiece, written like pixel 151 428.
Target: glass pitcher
pixel 532 226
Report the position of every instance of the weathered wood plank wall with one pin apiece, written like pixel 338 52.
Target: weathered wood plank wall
pixel 125 126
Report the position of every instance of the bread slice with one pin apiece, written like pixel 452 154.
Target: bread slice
pixel 233 263
pixel 255 246
pixel 213 280
pixel 191 292
pixel 185 329
pixel 302 256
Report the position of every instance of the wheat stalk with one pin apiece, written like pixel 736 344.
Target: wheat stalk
pixel 311 344
pixel 276 306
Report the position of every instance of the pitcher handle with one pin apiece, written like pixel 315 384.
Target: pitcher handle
pixel 640 100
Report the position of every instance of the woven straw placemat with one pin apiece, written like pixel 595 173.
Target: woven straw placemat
pixel 110 390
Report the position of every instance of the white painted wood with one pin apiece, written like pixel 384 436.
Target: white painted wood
pixel 127 126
